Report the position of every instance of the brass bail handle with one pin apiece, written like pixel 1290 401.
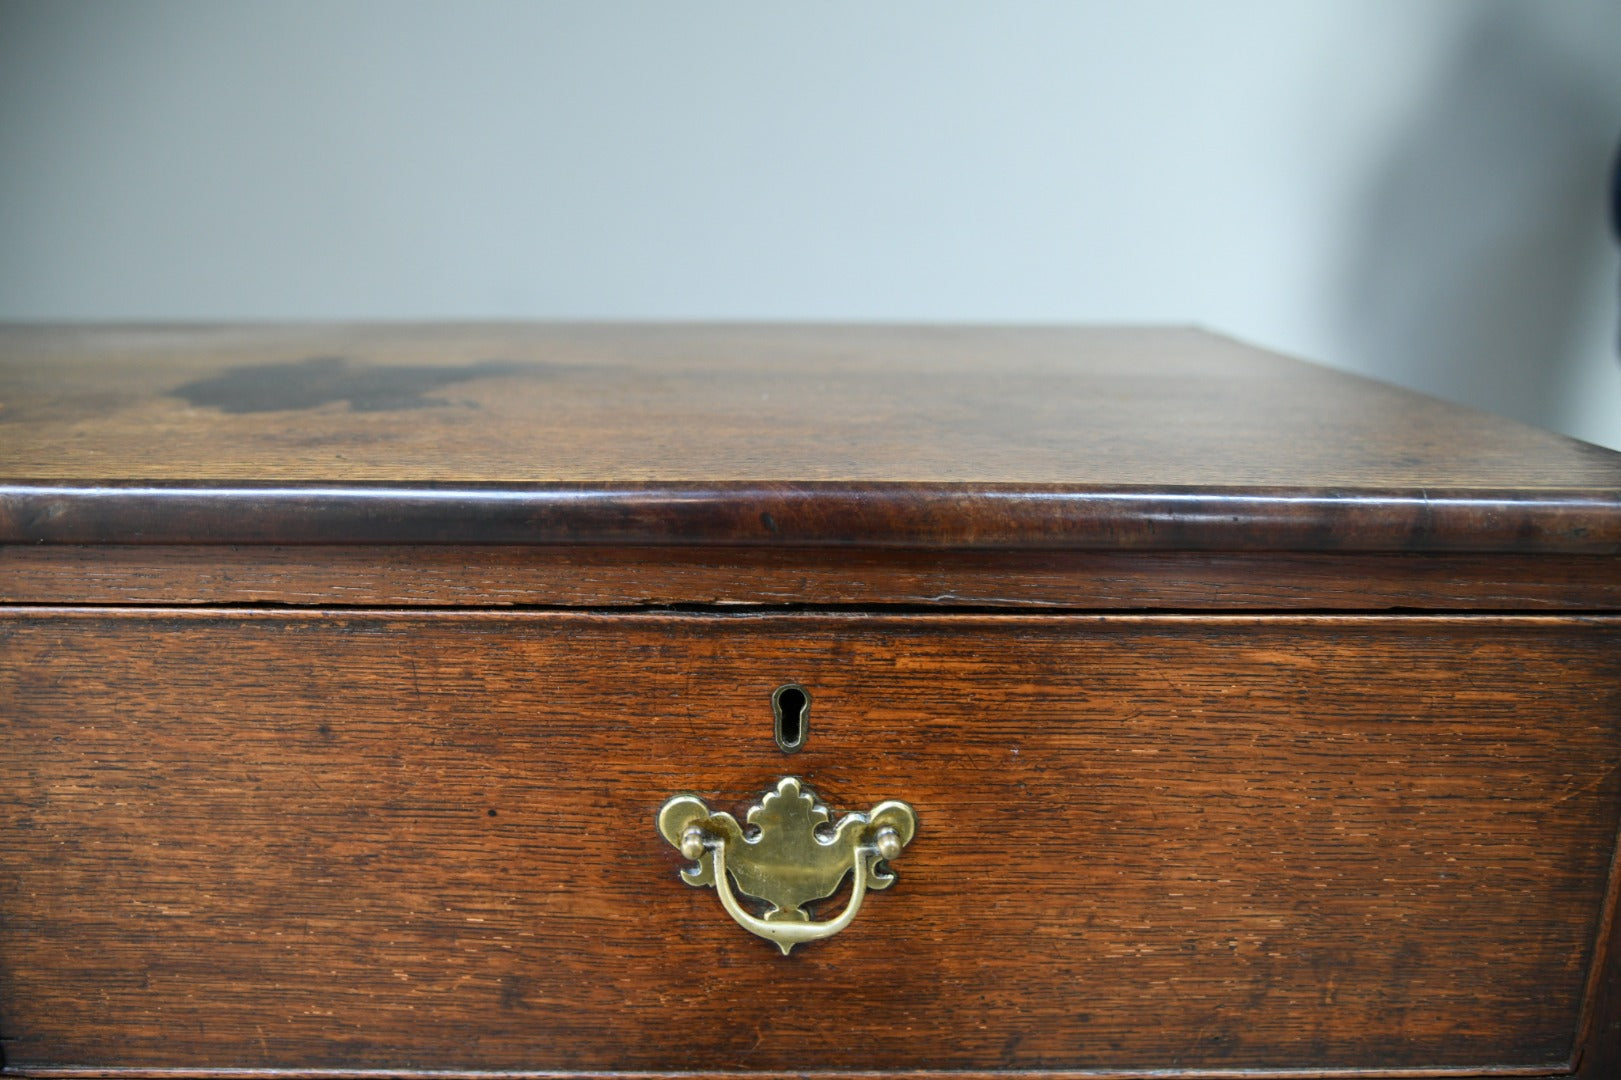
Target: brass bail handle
pixel 797 856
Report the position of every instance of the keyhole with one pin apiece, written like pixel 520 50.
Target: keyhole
pixel 791 704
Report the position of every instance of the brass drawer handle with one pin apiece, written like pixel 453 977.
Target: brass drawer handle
pixel 794 859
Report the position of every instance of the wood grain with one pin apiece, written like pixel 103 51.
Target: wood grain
pixel 1161 408
pixel 837 515
pixel 949 437
pixel 413 841
pixel 605 576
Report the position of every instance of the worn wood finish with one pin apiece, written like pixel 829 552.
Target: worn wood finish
pixel 852 436
pixel 412 841
pixel 1157 408
pixel 841 515
pixel 598 576
pixel 1600 1056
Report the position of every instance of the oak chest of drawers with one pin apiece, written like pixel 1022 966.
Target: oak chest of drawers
pixel 768 700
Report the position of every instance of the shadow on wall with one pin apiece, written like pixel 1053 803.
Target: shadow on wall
pixel 1481 235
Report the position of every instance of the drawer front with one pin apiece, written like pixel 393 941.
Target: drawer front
pixel 419 841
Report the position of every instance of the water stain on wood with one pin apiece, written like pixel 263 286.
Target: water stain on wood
pixel 324 380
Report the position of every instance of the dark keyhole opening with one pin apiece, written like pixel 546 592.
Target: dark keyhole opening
pixel 791 704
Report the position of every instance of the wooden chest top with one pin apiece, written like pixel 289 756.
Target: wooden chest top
pixel 864 436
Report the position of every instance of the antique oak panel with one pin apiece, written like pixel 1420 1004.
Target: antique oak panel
pixel 424 841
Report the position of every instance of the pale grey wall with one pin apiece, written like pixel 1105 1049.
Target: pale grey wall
pixel 1411 188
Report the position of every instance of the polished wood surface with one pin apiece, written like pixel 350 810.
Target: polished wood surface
pixel 540 403
pixel 632 577
pixel 415 840
pixel 922 436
